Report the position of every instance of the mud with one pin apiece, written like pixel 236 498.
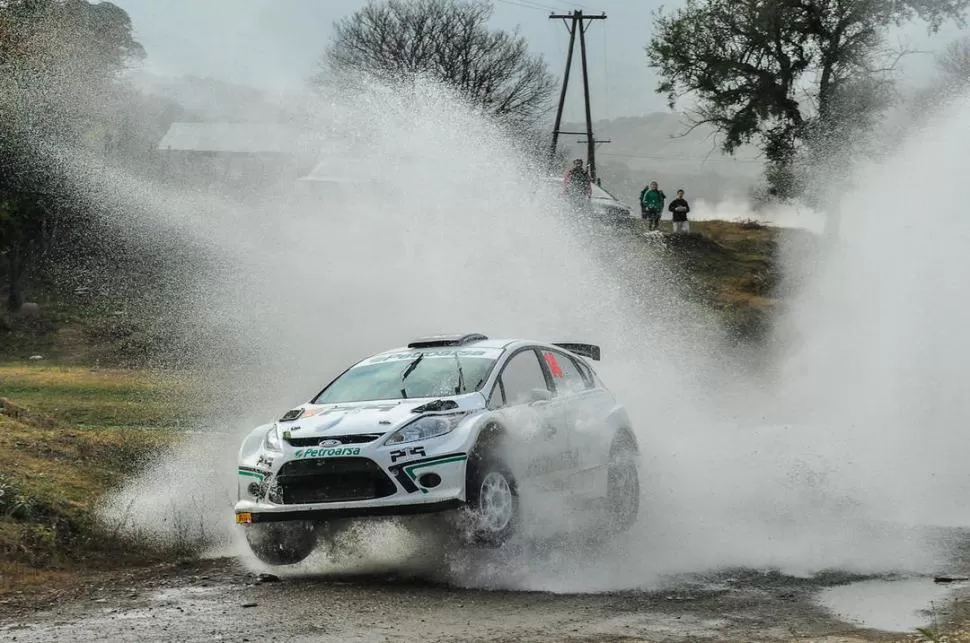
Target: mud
pixel 219 599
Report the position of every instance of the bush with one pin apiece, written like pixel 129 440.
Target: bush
pixel 15 504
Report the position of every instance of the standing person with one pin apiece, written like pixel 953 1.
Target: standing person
pixel 679 207
pixel 652 202
pixel 578 186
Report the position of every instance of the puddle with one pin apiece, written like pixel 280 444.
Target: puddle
pixel 891 606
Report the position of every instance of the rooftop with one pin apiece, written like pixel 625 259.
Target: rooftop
pixel 231 138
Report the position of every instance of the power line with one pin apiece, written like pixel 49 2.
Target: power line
pixel 573 4
pixel 538 6
pixel 528 4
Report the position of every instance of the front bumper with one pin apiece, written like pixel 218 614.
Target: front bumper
pixel 321 515
pixel 368 483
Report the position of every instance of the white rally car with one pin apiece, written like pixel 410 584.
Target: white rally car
pixel 447 423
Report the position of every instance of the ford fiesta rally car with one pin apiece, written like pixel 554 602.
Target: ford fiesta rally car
pixel 447 423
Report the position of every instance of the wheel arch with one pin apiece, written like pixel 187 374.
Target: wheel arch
pixel 490 435
pixel 623 436
pixel 252 444
pixel 622 428
pixel 488 445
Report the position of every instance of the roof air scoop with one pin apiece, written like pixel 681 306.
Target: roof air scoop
pixel 447 340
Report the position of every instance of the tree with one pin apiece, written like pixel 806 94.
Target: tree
pixel 954 62
pixel 58 61
pixel 787 72
pixel 449 40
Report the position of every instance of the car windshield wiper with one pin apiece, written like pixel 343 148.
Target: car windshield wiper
pixel 410 369
pixel 461 375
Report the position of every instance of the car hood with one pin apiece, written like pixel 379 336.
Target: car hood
pixel 381 416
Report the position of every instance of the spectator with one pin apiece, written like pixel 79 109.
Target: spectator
pixel 679 207
pixel 578 186
pixel 652 204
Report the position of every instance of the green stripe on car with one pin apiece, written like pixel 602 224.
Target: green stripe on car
pixel 422 465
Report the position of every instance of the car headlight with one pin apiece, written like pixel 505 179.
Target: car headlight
pixel 272 440
pixel 424 428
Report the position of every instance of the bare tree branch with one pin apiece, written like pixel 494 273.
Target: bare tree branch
pixel 954 61
pixel 449 40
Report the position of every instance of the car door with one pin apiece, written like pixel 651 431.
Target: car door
pixel 584 407
pixel 523 399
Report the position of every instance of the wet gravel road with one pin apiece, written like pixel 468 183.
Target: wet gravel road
pixel 220 599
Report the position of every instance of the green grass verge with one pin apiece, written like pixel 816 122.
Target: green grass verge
pixel 68 436
pixel 82 396
pixel 735 269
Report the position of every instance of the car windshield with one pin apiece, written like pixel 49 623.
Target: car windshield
pixel 432 372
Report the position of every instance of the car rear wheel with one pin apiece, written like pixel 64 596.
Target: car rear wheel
pixel 282 543
pixel 623 486
pixel 493 501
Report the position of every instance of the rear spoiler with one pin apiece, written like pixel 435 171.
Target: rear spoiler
pixel 586 350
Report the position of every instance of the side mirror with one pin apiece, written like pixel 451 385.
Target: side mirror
pixel 541 395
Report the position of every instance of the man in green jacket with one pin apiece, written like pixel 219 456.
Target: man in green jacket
pixel 652 204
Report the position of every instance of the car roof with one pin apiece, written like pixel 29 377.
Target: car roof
pixel 482 343
pixel 499 344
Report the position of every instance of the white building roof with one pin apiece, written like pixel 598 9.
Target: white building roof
pixel 231 138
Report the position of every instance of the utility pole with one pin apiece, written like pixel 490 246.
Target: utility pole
pixel 597 142
pixel 565 83
pixel 576 22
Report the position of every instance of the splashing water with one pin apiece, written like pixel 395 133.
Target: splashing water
pixel 455 235
pixel 881 367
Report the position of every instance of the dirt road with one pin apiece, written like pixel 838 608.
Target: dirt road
pixel 219 599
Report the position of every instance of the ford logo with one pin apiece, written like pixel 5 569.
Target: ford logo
pixel 329 443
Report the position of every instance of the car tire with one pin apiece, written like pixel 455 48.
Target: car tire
pixel 623 486
pixel 492 499
pixel 282 543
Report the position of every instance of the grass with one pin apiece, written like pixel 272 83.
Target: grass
pixel 734 268
pixel 83 396
pixel 951 623
pixel 68 436
pixel 123 330
pixel 65 332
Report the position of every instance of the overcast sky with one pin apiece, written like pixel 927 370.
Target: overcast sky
pixel 275 44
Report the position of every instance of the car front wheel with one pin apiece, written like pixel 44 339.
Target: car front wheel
pixel 493 501
pixel 282 543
